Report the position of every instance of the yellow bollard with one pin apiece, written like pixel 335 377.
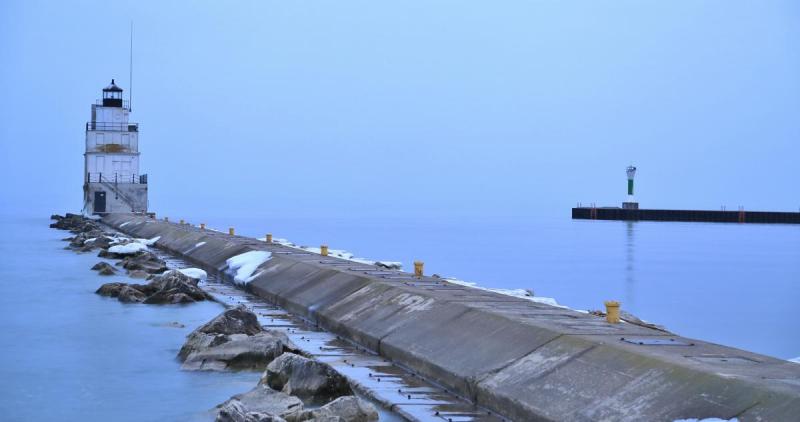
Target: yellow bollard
pixel 612 311
pixel 323 250
pixel 202 226
pixel 269 237
pixel 231 231
pixel 418 265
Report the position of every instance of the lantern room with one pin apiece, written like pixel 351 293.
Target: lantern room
pixel 112 95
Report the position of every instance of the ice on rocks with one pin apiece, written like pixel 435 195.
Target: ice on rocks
pixel 148 242
pixel 128 248
pixel 195 273
pixel 243 266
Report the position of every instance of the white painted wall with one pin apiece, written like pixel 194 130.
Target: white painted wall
pixel 96 139
pixel 123 165
pixel 111 114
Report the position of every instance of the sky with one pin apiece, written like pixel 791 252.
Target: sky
pixel 412 108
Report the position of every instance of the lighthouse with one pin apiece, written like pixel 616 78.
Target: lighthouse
pixel 630 203
pixel 112 181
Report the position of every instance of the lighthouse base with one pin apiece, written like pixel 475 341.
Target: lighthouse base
pixel 630 205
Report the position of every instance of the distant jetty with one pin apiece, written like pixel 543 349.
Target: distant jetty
pixel 630 211
pixel 707 216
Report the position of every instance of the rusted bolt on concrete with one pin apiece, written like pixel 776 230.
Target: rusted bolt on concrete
pixel 418 268
pixel 269 237
pixel 612 311
pixel 323 250
pixel 202 226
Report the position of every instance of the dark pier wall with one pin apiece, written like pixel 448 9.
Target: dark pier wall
pixel 588 213
pixel 525 360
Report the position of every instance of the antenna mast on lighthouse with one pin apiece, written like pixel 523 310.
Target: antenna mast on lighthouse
pixel 130 74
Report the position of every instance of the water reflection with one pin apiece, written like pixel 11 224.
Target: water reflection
pixel 630 278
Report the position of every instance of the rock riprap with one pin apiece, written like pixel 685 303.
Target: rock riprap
pixel 233 340
pixel 259 404
pixel 74 223
pixel 344 409
pixel 304 377
pixel 143 261
pixel 104 268
pixel 170 287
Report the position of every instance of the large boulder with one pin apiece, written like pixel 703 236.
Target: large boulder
pixel 110 289
pixel 233 340
pixel 170 287
pixel 260 402
pixel 104 268
pixel 175 287
pixel 138 274
pixel 343 409
pixel 238 320
pixel 75 223
pixel 235 351
pixel 304 377
pixel 138 261
pixel 128 294
pixel 103 265
pixel 234 411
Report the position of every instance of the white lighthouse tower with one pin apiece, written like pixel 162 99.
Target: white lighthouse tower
pixel 112 182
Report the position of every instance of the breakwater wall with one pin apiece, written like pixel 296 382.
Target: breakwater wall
pixel 708 216
pixel 524 360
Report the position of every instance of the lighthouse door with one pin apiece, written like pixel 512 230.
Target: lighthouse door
pixel 99 201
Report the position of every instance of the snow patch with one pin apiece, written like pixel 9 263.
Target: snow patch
pixel 124 224
pixel 148 242
pixel 520 293
pixel 795 360
pixel 246 264
pixel 197 245
pixel 337 253
pixel 128 248
pixel 194 273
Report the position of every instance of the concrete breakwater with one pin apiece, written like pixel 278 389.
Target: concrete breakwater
pixel 524 360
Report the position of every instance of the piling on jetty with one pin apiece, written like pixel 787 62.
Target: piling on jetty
pixel 521 359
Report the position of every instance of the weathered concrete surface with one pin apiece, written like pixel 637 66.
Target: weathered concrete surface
pixel 525 360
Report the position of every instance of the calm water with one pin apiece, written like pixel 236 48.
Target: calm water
pixel 737 285
pixel 68 354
